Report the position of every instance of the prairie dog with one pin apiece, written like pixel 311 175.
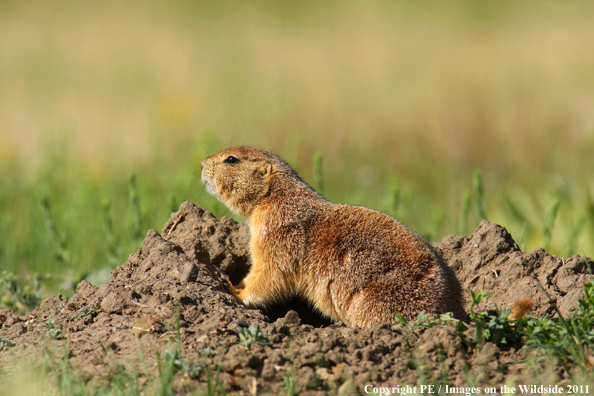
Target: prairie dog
pixel 353 264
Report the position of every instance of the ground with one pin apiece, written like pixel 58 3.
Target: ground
pixel 168 297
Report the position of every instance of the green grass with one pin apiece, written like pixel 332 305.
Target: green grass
pixel 57 376
pixel 60 228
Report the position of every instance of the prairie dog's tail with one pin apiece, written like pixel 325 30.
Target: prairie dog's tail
pixel 520 308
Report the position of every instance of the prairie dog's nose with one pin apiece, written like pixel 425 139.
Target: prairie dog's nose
pixel 202 164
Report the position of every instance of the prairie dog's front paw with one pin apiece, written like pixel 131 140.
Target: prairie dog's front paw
pixel 248 299
pixel 225 280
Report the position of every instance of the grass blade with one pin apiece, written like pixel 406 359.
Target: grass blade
pixel 548 225
pixel 479 202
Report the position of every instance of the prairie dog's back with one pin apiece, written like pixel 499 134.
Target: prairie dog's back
pixel 376 255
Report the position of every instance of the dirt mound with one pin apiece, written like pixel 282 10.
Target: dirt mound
pixel 491 260
pixel 169 294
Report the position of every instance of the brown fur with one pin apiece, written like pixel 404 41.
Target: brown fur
pixel 520 308
pixel 354 264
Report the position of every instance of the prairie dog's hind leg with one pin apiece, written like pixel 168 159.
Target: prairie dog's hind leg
pixel 368 307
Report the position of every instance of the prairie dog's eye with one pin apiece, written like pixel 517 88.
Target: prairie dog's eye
pixel 231 160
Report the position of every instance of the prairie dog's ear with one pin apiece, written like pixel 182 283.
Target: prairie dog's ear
pixel 264 170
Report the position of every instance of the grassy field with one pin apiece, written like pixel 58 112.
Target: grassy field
pixel 437 114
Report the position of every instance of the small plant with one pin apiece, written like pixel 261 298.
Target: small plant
pixel 166 370
pixel 503 332
pixel 205 352
pixel 497 329
pixel 5 343
pixel 424 321
pixel 478 318
pixel 168 363
pixel 87 311
pixel 52 332
pixel 213 384
pixel 567 339
pixel 18 297
pixel 289 385
pixel 187 368
pixel 47 325
pixel 251 335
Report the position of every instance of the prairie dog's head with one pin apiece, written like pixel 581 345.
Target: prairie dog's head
pixel 241 177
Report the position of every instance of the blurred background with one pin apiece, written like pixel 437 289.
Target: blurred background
pixel 440 114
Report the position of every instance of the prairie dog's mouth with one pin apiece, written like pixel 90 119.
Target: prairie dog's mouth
pixel 209 184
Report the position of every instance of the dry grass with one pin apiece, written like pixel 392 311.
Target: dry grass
pixel 508 88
